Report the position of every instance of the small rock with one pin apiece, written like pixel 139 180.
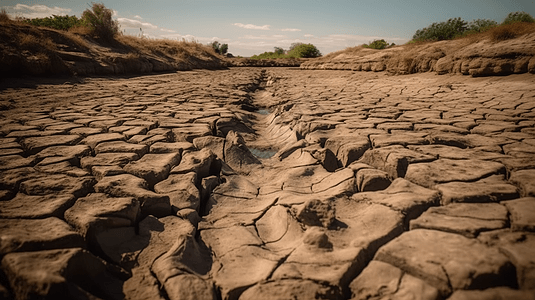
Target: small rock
pixel 316 237
pixel 201 162
pixel 499 293
pixel 522 213
pixel 461 218
pixel 372 180
pixel 121 146
pixel 316 213
pixel 127 185
pixel 23 235
pixel 182 191
pixel 153 167
pixel 447 170
pixel 491 189
pixel 93 140
pixel 59 274
pixel 107 159
pixel 214 143
pixel 162 147
pixel 448 261
pixel 96 213
pixel 380 280
pixel 237 155
pixel 526 180
pixel 36 207
pixel 35 144
pixel 297 289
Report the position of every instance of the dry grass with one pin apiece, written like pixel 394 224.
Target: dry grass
pixel 501 33
pixel 496 34
pixel 77 37
pixel 35 42
pixel 511 31
pixel 170 48
pixel 4 17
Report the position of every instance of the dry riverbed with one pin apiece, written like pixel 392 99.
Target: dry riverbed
pixel 273 183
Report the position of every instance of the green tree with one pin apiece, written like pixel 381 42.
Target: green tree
pixel 518 16
pixel 215 46
pixel 219 48
pixel 279 50
pixel 56 22
pixel 223 48
pixel 480 25
pixel 294 45
pixel 100 22
pixel 441 31
pixel 305 51
pixel 378 44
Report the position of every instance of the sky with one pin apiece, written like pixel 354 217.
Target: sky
pixel 253 27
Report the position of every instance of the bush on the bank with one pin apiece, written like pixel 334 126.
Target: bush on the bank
pixel 457 27
pixel 100 22
pixel 297 50
pixel 441 31
pixel 378 44
pixel 518 16
pixel 219 48
pixel 56 22
pixel 305 51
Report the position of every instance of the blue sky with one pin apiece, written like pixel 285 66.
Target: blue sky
pixel 252 27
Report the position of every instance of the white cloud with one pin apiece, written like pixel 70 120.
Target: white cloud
pixel 308 35
pixel 138 17
pixel 263 37
pixel 38 11
pixel 251 26
pixel 290 29
pixel 167 30
pixel 129 24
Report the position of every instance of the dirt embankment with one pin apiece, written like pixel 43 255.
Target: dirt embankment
pixel 38 51
pixel 30 50
pixel 465 56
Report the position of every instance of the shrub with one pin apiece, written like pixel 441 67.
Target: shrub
pixel 4 17
pixel 378 44
pixel 56 22
pixel 518 16
pixel 441 31
pixel 279 50
pixel 481 25
pixel 294 45
pixel 270 55
pixel 100 22
pixel 223 48
pixel 305 51
pixel 219 48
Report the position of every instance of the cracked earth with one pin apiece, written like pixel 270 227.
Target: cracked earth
pixel 273 183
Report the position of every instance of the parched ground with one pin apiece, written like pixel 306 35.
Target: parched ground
pixel 281 183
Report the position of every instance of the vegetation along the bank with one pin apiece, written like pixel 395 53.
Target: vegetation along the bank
pixel 297 50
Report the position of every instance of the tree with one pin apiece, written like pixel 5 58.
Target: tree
pixel 378 44
pixel 304 50
pixel 480 25
pixel 219 48
pixel 215 46
pixel 223 48
pixel 518 16
pixel 279 50
pixel 294 45
pixel 100 22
